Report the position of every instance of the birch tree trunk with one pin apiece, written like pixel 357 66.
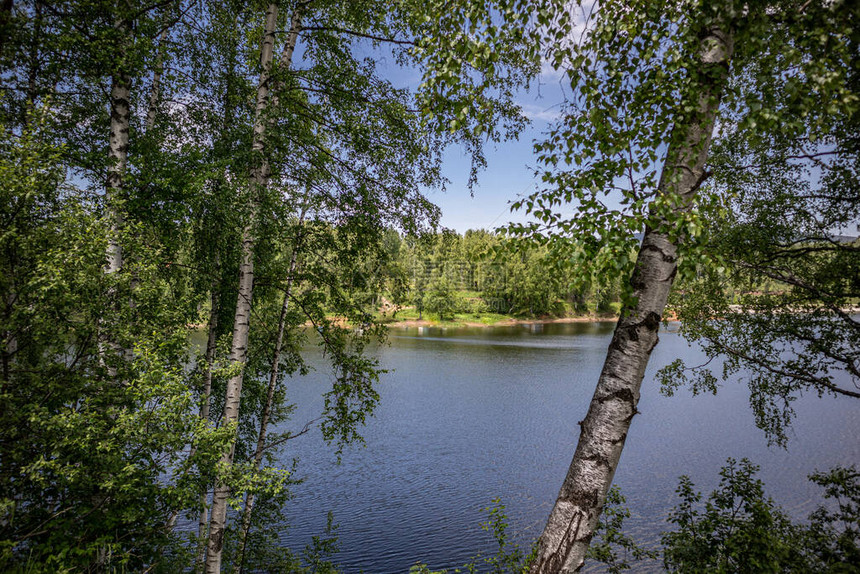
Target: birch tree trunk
pixel 203 519
pixel 571 525
pixel 241 322
pixel 211 347
pixel 267 407
pixel 118 160
pixel 120 117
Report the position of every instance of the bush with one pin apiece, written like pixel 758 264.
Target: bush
pixel 473 305
pixel 740 530
pixel 440 299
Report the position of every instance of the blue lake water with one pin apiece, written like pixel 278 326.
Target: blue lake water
pixel 469 415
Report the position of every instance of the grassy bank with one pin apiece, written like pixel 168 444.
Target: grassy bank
pixel 409 317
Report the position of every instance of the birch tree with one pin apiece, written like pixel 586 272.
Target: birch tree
pixel 274 378
pixel 259 180
pixel 647 82
pixel 368 154
pixel 98 466
pixel 162 139
pixel 120 116
pixel 673 61
pixel 783 251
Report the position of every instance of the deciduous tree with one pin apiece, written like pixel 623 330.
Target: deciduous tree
pixel 647 82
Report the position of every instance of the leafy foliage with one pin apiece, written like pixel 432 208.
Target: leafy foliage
pixel 740 530
pixel 778 274
pixel 833 537
pixel 509 559
pixel 632 73
pixel 110 430
pixel 477 273
pixel 84 455
pixel 612 539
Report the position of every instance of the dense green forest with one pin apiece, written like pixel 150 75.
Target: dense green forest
pixel 177 164
pixel 253 170
pixel 478 277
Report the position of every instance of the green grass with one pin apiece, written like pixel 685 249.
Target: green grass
pixel 410 314
pixel 484 318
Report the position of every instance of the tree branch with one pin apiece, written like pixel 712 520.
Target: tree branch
pixel 357 34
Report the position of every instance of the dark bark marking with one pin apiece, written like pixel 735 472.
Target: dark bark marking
pixel 556 559
pixel 630 332
pixel 217 540
pixel 651 321
pixel 625 395
pixel 578 496
pixel 674 272
pixel 667 258
pixel 654 344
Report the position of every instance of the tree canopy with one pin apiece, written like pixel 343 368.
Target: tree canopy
pixel 218 164
pixel 747 205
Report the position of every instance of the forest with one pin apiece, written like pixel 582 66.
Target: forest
pixel 477 277
pixel 259 172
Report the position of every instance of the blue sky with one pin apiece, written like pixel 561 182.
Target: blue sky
pixel 510 165
pixel 508 175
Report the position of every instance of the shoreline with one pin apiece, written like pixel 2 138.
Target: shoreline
pixel 511 322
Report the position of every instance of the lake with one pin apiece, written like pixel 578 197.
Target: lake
pixel 469 415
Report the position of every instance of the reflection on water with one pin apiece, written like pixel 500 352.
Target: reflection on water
pixel 468 415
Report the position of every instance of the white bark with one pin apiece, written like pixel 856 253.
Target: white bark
pixel 241 323
pixel 267 407
pixel 565 540
pixel 120 115
pixel 211 346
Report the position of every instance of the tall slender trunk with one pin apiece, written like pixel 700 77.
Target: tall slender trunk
pixel 203 519
pixel 205 405
pixel 120 117
pixel 565 540
pixel 267 407
pixel 241 322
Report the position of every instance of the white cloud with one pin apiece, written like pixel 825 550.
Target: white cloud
pixel 536 112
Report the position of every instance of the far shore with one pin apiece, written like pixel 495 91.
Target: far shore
pixel 411 323
pixel 396 323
